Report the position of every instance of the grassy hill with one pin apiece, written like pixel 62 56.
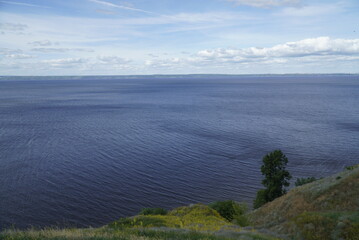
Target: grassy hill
pixel 322 210
pixel 325 209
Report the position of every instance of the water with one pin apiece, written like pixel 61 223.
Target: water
pixel 86 151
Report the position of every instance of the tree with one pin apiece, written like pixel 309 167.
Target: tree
pixel 276 178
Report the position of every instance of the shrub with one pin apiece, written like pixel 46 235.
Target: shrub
pixel 260 199
pixel 241 220
pixel 302 181
pixel 352 167
pixel 153 211
pixel 229 209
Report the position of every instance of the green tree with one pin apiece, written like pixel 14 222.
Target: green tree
pixel 276 178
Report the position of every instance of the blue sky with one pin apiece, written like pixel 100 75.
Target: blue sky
pixel 109 37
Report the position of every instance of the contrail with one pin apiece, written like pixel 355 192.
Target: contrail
pixel 23 4
pixel 122 7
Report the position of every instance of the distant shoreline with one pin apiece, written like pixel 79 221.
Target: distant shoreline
pixel 162 76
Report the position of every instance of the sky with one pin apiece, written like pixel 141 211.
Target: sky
pixel 135 37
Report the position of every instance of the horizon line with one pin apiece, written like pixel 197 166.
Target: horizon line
pixel 188 74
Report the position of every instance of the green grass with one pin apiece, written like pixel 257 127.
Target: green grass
pixel 153 211
pixel 327 225
pixel 313 226
pixel 324 195
pixel 115 234
pixel 198 217
pixel 176 235
pixel 93 234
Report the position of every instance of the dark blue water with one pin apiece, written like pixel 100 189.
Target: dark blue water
pixel 84 152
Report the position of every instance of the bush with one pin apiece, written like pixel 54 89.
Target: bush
pixel 230 209
pixel 153 211
pixel 352 167
pixel 260 199
pixel 302 181
pixel 241 220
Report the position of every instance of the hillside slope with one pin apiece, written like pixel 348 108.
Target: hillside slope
pixel 325 209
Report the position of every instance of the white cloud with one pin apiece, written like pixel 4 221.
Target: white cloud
pixel 322 46
pixel 266 3
pixel 64 62
pixel 99 65
pixel 314 10
pixel 55 50
pixel 7 51
pixel 299 56
pixel 113 60
pixel 13 27
pixel 165 63
pixel 13 54
pixel 19 56
pixel 208 17
pixel 314 51
pixel 44 43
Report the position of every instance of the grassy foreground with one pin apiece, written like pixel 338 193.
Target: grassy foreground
pixel 124 234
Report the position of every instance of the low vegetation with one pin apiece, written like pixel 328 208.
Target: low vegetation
pixel 106 234
pixel 352 167
pixel 232 211
pixel 196 217
pixel 302 181
pixel 327 225
pixel 153 211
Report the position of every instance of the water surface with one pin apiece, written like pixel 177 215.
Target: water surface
pixel 86 151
